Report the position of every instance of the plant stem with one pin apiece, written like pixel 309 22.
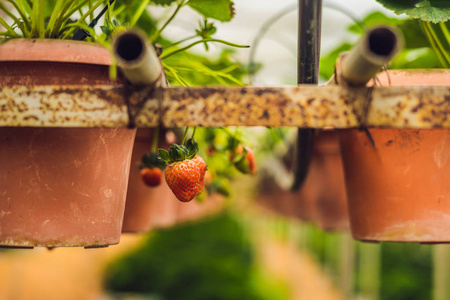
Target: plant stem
pixel 53 17
pixel 81 20
pixel 446 32
pixel 91 15
pixel 62 19
pixel 155 140
pixel 138 13
pixel 437 47
pixel 119 10
pixel 175 75
pixel 184 135
pixel 181 41
pixel 438 43
pixel 8 28
pixel 193 133
pixel 203 41
pixel 158 33
pixel 20 9
pixel 41 18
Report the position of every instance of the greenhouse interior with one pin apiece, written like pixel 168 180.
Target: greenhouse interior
pixel 228 149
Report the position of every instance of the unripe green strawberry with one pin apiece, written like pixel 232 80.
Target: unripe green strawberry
pixel 117 30
pixel 202 167
pixel 246 163
pixel 183 178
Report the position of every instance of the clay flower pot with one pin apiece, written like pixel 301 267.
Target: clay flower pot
pixel 325 184
pixel 147 207
pixel 60 186
pixel 400 189
pixel 321 199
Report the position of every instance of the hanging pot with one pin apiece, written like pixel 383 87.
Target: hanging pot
pixel 325 184
pixel 399 190
pixel 147 207
pixel 60 186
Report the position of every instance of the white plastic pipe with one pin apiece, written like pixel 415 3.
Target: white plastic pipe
pixel 378 46
pixel 137 58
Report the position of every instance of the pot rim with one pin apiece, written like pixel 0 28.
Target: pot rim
pixel 54 50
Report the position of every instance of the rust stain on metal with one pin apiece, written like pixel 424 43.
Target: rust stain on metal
pixel 293 106
pixel 302 106
pixel 411 107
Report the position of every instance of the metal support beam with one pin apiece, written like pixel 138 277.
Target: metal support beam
pixel 305 106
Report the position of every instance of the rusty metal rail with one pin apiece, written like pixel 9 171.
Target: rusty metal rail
pixel 303 106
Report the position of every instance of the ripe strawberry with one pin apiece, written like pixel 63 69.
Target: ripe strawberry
pixel 184 173
pixel 183 178
pixel 151 176
pixel 151 169
pixel 245 161
pixel 202 167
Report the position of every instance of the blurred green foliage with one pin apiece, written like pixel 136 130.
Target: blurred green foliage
pixel 417 52
pixel 210 259
pixel 406 271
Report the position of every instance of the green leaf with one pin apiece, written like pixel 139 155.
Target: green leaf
pixel 421 58
pixel 222 10
pixel 328 61
pixel 413 34
pixel 106 30
pixel 374 19
pixel 427 10
pixel 163 2
pixel 164 155
pixel 153 160
pixel 192 147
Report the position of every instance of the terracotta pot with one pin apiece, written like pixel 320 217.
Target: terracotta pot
pixel 147 207
pixel 322 198
pixel 60 186
pixel 326 183
pixel 399 190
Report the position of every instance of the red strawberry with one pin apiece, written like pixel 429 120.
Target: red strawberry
pixel 202 166
pixel 246 164
pixel 183 178
pixel 185 172
pixel 151 176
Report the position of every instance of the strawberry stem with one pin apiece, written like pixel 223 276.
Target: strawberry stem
pixel 184 136
pixel 155 140
pixel 193 133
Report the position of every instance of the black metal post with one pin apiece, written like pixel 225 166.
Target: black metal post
pixel 309 25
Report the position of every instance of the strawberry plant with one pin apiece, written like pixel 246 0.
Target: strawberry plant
pixel 434 17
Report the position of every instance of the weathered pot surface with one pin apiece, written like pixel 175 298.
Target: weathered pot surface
pixel 63 187
pixel 328 184
pixel 60 186
pixel 399 190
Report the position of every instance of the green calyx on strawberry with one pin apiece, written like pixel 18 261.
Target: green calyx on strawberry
pixel 185 172
pixel 152 160
pixel 179 152
pixel 112 29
